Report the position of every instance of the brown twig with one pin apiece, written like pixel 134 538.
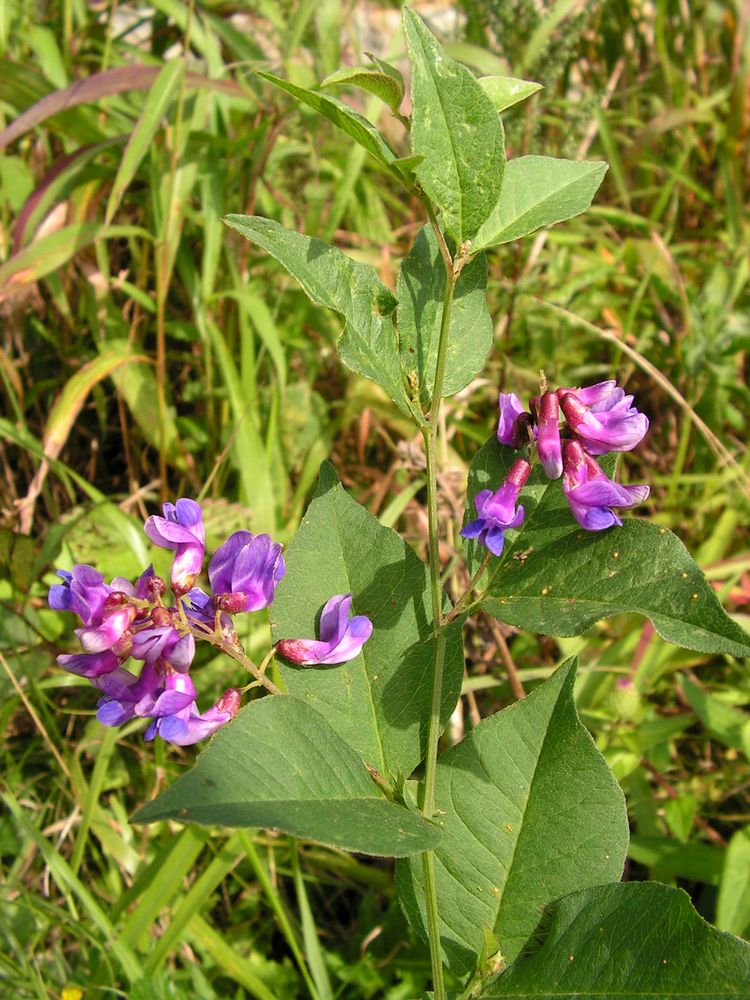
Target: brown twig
pixel 514 678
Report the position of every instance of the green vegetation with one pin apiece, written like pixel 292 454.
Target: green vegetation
pixel 150 352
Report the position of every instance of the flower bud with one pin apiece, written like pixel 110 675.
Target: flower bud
pixel 231 603
pixel 156 587
pixel 116 599
pixel 548 441
pixel 162 617
pixel 230 701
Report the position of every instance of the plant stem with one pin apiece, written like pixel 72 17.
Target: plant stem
pixel 429 434
pixel 464 599
pixel 218 642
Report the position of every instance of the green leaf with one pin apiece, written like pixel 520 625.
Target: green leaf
pixel 505 91
pixel 163 92
pixel 420 288
pixel 725 723
pixel 695 861
pixel 342 116
pixel 380 79
pixel 558 579
pixel 457 130
pixel 529 811
pixel 352 289
pixel 280 765
pixel 733 904
pixel 626 942
pixel 539 191
pixel 380 701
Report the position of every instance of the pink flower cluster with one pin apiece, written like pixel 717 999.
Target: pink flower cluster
pixel 123 622
pixel 595 419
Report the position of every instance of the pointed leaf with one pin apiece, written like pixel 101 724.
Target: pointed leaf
pixel 627 942
pixel 352 289
pixel 539 191
pixel 529 811
pixel 457 130
pixel 356 126
pixel 505 91
pixel 558 579
pixel 380 701
pixel 280 765
pixel 163 92
pixel 421 287
pixel 384 81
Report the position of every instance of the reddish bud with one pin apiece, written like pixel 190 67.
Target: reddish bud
pixel 114 600
pixel 231 603
pixel 230 701
pixel 156 587
pixel 519 473
pixel 162 617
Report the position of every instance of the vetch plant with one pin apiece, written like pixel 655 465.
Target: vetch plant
pixel 510 857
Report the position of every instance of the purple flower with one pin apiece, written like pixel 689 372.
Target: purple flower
pixel 116 618
pixel 341 637
pixel 497 511
pixel 611 424
pixel 548 439
pixel 83 591
pixel 167 699
pixel 181 723
pixel 198 606
pixel 181 529
pixel 244 571
pixel 162 645
pixel 90 665
pixel 127 696
pixel 603 395
pixel 514 422
pixel 591 493
pixel 107 615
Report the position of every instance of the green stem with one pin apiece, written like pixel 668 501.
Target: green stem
pixel 238 654
pixel 433 734
pixel 465 599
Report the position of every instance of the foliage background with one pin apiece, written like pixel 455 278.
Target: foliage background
pixel 146 352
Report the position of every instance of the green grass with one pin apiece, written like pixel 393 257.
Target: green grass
pixel 147 353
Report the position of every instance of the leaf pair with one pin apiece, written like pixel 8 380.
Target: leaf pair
pixel 458 158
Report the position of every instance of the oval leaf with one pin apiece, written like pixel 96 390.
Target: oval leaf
pixel 626 942
pixel 539 191
pixel 280 765
pixel 352 289
pixel 558 579
pixel 457 130
pixel 380 701
pixel 421 288
pixel 529 811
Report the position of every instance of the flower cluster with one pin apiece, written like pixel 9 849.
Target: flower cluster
pixel 121 621
pixel 597 419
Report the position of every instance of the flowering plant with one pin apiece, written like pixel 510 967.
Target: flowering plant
pixel 522 819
